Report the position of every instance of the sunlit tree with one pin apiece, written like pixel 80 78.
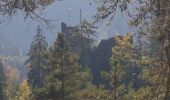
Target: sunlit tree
pixel 65 78
pixel 24 92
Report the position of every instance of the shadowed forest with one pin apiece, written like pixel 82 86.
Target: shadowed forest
pixel 85 50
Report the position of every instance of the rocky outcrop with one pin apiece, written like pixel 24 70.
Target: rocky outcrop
pixel 97 59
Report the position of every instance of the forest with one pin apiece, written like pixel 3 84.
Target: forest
pixel 77 62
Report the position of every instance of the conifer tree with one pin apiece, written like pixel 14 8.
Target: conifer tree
pixel 37 60
pixel 123 71
pixel 24 91
pixel 66 78
pixel 151 18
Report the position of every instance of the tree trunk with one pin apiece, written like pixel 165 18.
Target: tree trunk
pixel 62 91
pixel 167 51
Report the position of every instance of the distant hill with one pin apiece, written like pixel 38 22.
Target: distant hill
pixel 7 49
pixel 13 57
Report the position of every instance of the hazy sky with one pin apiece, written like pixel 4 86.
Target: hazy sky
pixel 20 32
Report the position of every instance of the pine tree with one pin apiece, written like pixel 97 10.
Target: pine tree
pixel 37 63
pixel 2 81
pixel 37 60
pixel 66 78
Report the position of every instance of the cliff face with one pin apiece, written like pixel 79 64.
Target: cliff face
pixel 98 59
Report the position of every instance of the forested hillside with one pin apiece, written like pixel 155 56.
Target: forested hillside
pixel 85 58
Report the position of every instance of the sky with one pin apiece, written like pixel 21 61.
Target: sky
pixel 20 32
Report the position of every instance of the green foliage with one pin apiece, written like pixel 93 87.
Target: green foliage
pixel 122 72
pixel 151 18
pixel 8 83
pixel 93 92
pixel 37 61
pixel 65 78
pixel 11 90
